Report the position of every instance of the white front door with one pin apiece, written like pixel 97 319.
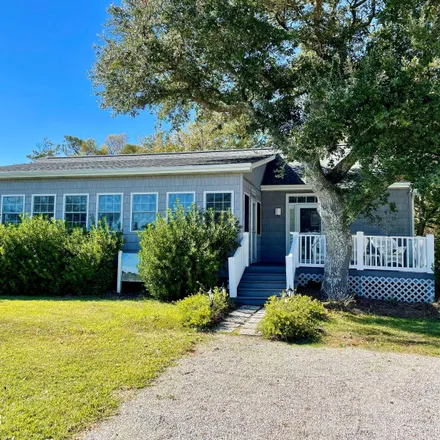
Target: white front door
pixel 253 231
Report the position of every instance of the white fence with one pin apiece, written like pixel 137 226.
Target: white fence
pixel 402 254
pixel 237 264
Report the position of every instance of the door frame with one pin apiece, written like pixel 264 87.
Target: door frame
pixel 253 222
pixel 297 216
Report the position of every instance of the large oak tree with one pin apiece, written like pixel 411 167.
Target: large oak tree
pixel 350 88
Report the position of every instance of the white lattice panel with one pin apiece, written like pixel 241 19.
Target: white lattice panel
pixel 385 288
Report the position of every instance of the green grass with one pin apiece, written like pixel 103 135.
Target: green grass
pixel 65 363
pixel 403 335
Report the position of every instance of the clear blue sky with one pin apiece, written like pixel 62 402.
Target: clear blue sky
pixel 45 53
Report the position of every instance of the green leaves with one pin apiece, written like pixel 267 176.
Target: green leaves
pixel 185 253
pixel 43 258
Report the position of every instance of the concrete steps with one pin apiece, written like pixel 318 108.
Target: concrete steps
pixel 259 282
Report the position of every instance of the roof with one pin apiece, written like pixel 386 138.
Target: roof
pixel 278 172
pixel 150 163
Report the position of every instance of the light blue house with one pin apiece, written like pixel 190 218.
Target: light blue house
pixel 279 215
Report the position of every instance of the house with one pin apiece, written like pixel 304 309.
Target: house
pixel 279 215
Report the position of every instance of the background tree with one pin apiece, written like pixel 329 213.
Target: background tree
pixel 44 149
pixel 349 87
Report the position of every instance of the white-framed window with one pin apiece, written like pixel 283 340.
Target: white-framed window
pixel 219 200
pixel 109 207
pixel 186 199
pixel 76 210
pixel 12 208
pixel 44 204
pixel 144 207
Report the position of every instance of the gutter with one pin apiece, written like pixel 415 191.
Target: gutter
pixel 127 172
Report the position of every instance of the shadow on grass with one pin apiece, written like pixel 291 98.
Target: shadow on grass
pixel 423 326
pixel 75 298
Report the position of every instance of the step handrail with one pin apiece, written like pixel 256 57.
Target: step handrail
pixel 292 261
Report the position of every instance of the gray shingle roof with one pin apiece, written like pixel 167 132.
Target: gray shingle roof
pixel 138 161
pixel 290 175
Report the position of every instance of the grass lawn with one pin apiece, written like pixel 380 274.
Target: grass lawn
pixel 65 363
pixel 404 335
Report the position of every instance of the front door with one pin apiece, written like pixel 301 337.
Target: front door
pixel 253 234
pixel 302 217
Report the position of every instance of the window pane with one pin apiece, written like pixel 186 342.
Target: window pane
pixel 75 211
pixel 13 207
pixel 184 199
pixel 44 205
pixel 109 208
pixel 219 201
pixel 144 210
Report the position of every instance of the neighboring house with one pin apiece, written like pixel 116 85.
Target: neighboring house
pixel 129 190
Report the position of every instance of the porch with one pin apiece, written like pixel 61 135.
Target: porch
pixel 382 267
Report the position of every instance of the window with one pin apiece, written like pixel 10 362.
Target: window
pixel 43 205
pixel 75 210
pixel 12 209
pixel 303 199
pixel 109 207
pixel 247 201
pixel 143 210
pixel 219 201
pixel 184 199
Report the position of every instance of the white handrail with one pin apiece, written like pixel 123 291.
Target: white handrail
pixel 237 264
pixel 292 261
pixel 393 253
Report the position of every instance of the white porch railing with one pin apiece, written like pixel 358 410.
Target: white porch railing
pixel 292 261
pixel 237 264
pixel 403 254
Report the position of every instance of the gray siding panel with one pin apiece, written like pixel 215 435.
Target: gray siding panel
pixel 274 227
pixel 125 185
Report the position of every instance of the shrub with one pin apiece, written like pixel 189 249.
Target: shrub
pixel 292 318
pixel 180 256
pixel 45 257
pixel 203 310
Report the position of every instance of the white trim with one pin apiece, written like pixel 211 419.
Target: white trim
pixel 308 187
pixel 179 192
pixel 252 245
pixel 220 192
pixel 122 206
pixel 263 162
pixel 11 195
pixel 77 194
pixel 192 169
pixel 131 204
pixel 44 195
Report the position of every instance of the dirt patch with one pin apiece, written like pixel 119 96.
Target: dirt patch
pixel 365 306
pixel 361 305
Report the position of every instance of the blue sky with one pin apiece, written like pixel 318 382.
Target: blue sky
pixel 45 53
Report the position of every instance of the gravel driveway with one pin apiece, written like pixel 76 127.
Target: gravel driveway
pixel 247 388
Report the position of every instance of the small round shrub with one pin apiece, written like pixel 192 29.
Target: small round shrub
pixel 292 318
pixel 203 310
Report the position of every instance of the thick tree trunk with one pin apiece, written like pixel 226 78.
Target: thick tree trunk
pixel 338 237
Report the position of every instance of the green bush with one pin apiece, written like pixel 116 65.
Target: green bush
pixel 292 318
pixel 203 310
pixel 180 256
pixel 45 258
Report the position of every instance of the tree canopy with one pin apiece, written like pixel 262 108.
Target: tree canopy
pixel 349 87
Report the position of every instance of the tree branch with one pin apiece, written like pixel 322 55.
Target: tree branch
pixel 342 168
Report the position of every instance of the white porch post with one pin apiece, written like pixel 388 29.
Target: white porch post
pixel 430 253
pixel 360 250
pixel 119 278
pixel 232 278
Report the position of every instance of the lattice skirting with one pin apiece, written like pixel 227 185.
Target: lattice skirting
pixel 387 288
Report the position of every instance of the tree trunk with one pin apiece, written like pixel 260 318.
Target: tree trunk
pixel 338 237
